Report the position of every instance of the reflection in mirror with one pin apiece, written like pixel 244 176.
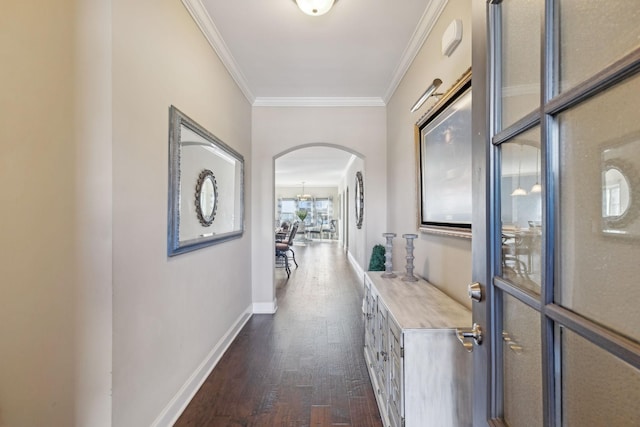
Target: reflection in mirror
pixel 521 210
pixel 621 188
pixel 615 194
pixel 206 197
pixel 217 214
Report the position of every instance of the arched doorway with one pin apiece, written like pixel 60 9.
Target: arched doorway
pixel 311 183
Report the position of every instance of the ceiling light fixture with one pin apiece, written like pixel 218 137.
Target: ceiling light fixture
pixel 537 188
pixel 315 7
pixel 303 197
pixel 427 93
pixel 519 191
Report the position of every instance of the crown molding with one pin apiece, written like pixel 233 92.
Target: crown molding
pixel 203 20
pixel 318 102
pixel 426 24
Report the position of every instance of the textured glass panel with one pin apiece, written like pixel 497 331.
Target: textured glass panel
pixel 600 243
pixel 522 364
pixel 521 24
pixel 521 210
pixel 598 389
pixel 593 34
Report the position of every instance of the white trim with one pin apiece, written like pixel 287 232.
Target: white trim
pixel 265 307
pixel 346 168
pixel 356 267
pixel 426 24
pixel 318 102
pixel 179 402
pixel 202 18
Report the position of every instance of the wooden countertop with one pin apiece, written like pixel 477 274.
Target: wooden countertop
pixel 419 305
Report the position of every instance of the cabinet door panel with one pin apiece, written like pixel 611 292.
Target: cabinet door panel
pixel 396 408
pixel 369 321
pixel 383 351
pixel 446 401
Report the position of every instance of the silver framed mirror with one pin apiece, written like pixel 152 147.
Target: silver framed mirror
pixel 206 187
pixel 359 203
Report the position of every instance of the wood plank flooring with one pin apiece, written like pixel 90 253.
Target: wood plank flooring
pixel 303 366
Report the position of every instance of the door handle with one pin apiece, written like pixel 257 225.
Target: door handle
pixel 474 333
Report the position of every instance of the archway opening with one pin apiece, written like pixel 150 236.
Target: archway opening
pixel 311 184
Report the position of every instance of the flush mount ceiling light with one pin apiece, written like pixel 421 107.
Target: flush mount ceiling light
pixel 315 7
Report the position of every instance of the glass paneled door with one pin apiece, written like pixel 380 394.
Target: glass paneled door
pixel 556 240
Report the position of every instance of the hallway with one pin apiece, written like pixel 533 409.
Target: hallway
pixel 303 366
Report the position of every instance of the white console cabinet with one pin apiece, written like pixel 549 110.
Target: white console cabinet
pixel 421 373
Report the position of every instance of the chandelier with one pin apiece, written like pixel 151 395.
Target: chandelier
pixel 303 197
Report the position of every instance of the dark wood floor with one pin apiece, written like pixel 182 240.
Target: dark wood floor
pixel 303 366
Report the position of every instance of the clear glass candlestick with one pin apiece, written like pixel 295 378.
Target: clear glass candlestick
pixel 388 263
pixel 409 277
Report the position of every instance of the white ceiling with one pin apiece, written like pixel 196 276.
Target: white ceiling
pixel 356 55
pixel 315 166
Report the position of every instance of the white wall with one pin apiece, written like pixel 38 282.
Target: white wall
pixel 358 248
pixel 169 314
pixel 444 261
pixel 55 221
pixel 276 130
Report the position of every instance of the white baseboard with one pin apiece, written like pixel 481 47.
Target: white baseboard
pixel 358 269
pixel 177 405
pixel 265 307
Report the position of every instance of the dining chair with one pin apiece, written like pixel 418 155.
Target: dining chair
pixel 282 249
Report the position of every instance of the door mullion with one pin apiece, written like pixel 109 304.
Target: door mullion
pixel 613 74
pixel 550 69
pixel 621 347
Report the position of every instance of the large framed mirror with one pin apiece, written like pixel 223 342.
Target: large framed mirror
pixel 206 187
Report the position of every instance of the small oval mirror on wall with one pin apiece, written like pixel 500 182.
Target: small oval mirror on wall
pixel 206 197
pixel 615 197
pixel 620 189
pixel 359 199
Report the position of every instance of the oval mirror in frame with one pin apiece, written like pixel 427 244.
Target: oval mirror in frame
pixel 620 194
pixel 206 197
pixel 359 199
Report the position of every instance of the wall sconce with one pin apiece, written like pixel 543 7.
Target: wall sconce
pixel 427 93
pixel 315 7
